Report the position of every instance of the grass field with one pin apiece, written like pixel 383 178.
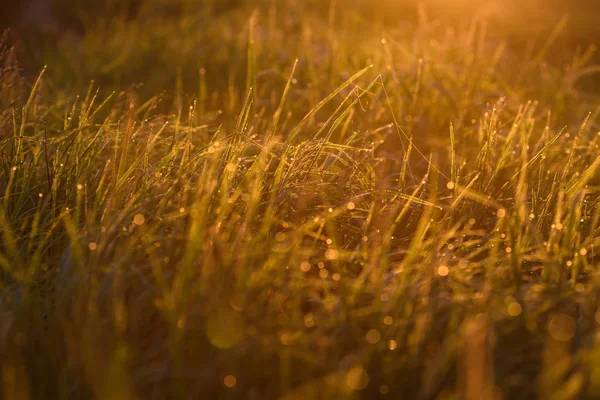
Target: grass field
pixel 301 200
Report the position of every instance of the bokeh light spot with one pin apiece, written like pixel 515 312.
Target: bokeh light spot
pixel 373 336
pixel 561 327
pixel 139 219
pixel 514 309
pixel 230 381
pixel 224 328
pixel 305 266
pixel 357 378
pixel 332 254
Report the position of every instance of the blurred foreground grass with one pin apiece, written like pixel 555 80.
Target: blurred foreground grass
pixel 293 202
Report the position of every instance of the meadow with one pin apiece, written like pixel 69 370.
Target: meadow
pixel 300 200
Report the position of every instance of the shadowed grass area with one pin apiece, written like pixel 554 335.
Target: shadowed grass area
pixel 286 201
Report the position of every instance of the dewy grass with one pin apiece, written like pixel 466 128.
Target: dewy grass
pixel 273 204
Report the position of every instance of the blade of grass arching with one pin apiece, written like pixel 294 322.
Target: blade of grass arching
pixel 453 233
pixel 150 145
pixel 124 177
pixel 477 197
pixel 187 147
pixel 347 161
pixel 595 220
pixel 410 199
pixel 84 117
pixel 332 116
pixel 519 220
pixel 242 122
pixel 25 112
pixel 507 149
pixel 255 184
pixel 86 100
pixel 554 271
pixel 15 138
pixel 581 61
pixel 101 106
pixel 69 118
pixel 240 128
pixel 177 127
pixel 291 167
pixel 266 147
pixel 571 240
pixel 335 123
pixel 340 118
pixel 576 189
pixel 452 156
pixel 418 243
pixel 147 107
pixel 308 228
pixel 92 144
pixel 558 29
pixel 548 205
pixel 571 162
pixel 406 162
pixel 463 191
pixel 116 142
pixel 196 233
pixel 324 101
pixel 491 134
pixel 100 195
pixel 568 165
pixel 522 187
pixel 400 133
pixel 346 126
pixel 279 111
pixel 49 176
pixel 271 211
pixel 126 140
pixel 534 158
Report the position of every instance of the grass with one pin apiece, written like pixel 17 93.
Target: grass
pixel 297 202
